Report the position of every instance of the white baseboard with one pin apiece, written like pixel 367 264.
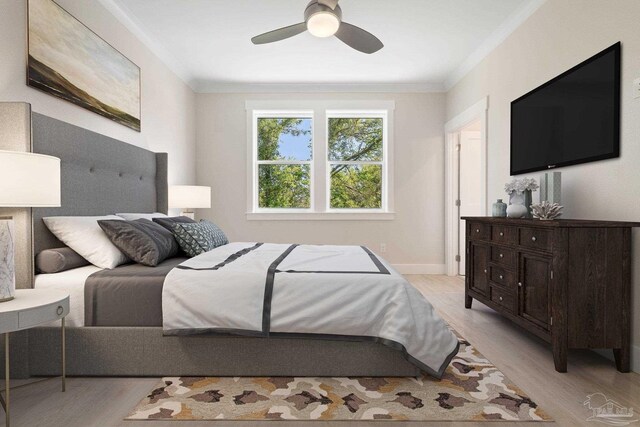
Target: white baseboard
pixel 420 268
pixel 635 356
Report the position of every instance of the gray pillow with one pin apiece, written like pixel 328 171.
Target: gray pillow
pixel 169 222
pixel 141 240
pixel 58 260
pixel 198 238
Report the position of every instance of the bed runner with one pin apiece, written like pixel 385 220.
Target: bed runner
pixel 130 295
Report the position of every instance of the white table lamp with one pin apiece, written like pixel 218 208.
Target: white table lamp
pixel 188 197
pixel 26 180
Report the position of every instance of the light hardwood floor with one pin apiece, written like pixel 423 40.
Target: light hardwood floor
pixel 525 359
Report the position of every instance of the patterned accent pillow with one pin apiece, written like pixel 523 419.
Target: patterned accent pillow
pixel 200 237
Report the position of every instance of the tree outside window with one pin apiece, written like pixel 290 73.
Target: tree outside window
pixel 285 147
pixel 356 162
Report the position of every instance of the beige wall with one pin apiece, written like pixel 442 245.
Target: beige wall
pixel 414 237
pixel 168 104
pixel 561 34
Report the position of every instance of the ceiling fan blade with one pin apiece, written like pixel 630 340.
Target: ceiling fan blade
pixel 280 34
pixel 329 3
pixel 358 38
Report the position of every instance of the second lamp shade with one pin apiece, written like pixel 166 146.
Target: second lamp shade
pixel 189 196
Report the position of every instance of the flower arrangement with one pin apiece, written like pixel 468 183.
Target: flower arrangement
pixel 519 186
pixel 546 211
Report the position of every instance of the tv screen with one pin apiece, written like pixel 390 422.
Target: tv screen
pixel 574 118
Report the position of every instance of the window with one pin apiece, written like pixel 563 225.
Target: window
pixel 356 160
pixel 284 156
pixel 326 160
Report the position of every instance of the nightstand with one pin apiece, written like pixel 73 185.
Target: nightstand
pixel 31 308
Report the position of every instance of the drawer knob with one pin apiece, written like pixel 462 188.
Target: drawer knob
pixel 485 271
pixel 500 298
pixel 533 238
pixel 501 234
pixel 59 310
pixel 477 230
pixel 500 277
pixel 501 255
pixel 520 284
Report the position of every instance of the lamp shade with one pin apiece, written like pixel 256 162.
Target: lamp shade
pixel 189 196
pixel 29 180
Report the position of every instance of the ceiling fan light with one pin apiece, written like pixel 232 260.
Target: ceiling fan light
pixel 323 24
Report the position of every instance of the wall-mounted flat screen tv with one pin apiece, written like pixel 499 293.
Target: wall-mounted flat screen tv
pixel 574 118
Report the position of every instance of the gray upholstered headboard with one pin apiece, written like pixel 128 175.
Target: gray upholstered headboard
pixel 100 175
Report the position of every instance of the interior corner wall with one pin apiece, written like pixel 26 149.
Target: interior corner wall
pixel 168 104
pixel 414 239
pixel 556 37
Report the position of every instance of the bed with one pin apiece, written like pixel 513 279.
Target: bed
pixel 110 335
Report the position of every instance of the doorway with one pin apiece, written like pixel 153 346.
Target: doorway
pixel 466 180
pixel 469 198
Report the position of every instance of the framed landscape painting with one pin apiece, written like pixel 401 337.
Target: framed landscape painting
pixel 68 60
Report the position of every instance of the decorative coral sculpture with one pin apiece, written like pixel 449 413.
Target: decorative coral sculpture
pixel 546 211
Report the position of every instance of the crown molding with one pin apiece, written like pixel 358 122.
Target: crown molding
pixel 514 21
pixel 127 19
pixel 222 87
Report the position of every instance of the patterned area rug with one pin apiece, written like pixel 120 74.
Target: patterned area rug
pixel 472 389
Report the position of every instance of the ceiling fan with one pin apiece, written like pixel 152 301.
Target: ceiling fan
pixel 323 18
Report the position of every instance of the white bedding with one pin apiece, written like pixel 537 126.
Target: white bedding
pixel 331 291
pixel 71 281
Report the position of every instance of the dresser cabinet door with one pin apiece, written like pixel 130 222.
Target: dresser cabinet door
pixel 479 281
pixel 533 286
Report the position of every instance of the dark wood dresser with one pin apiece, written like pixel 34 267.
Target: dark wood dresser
pixel 567 281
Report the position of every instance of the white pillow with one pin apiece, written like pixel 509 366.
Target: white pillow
pixel 84 235
pixel 134 216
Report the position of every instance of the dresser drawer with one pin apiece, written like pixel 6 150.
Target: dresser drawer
pixel 503 277
pixel 503 298
pixel 45 314
pixel 479 231
pixel 535 238
pixel 504 256
pixel 504 234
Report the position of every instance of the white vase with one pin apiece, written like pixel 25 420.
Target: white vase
pixel 517 208
pixel 7 267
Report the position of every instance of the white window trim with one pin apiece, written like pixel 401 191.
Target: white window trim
pixel 320 111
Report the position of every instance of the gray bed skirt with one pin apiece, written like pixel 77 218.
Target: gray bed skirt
pixel 144 351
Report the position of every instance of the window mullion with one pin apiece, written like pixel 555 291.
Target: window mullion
pixel 320 154
pixel 283 162
pixel 355 162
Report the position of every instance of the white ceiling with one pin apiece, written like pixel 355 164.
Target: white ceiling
pixel 428 43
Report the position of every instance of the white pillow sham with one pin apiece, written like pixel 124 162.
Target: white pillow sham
pixel 134 216
pixel 84 235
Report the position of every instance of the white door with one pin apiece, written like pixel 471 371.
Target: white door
pixel 469 185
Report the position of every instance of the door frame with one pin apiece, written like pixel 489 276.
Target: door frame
pixel 478 111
